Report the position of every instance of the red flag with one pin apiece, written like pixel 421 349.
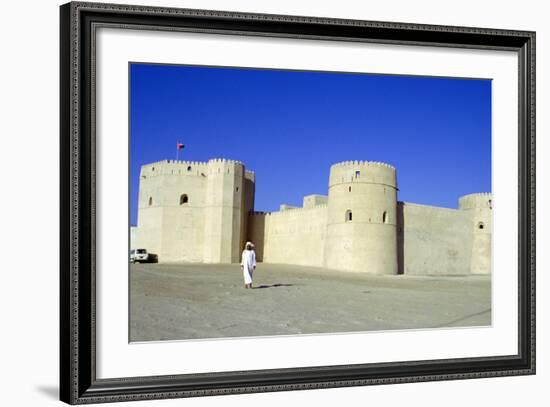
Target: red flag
pixel 180 146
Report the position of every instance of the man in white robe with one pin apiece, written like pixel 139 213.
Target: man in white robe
pixel 248 264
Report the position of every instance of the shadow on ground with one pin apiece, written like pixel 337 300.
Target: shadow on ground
pixel 273 286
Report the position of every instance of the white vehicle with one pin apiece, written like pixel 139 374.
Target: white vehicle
pixel 139 255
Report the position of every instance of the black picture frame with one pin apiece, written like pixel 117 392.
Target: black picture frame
pixel 78 382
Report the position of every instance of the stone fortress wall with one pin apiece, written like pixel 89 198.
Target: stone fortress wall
pixel 359 226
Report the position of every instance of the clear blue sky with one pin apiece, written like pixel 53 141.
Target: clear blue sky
pixel 289 127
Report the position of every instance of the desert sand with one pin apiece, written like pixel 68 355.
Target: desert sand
pixel 200 301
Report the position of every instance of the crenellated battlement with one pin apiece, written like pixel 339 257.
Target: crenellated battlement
pixel 361 163
pixel 197 168
pixel 477 200
pixel 478 194
pixel 225 166
pixel 224 161
pixel 372 172
pixel 293 211
pixel 174 162
pixel 174 167
pixel 297 211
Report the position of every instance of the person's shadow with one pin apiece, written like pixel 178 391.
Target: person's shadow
pixel 273 285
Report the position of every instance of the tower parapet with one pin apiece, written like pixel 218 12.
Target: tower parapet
pixel 482 200
pixel 362 217
pixel 174 167
pixel 362 171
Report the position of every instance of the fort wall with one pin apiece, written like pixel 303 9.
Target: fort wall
pixel 204 212
pixel 433 240
pixel 294 236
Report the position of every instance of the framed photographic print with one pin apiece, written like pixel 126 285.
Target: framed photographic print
pixel 254 203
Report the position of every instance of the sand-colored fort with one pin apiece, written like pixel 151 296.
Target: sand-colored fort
pixel 204 212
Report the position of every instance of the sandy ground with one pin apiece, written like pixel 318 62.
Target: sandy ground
pixel 190 301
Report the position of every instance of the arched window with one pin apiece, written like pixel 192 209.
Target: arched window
pixel 150 200
pixel 349 189
pixel 357 174
pixel 349 216
pixel 481 225
pixel 189 168
pixel 385 217
pixel 184 199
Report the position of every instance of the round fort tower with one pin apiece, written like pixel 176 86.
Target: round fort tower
pixel 362 218
pixel 480 210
